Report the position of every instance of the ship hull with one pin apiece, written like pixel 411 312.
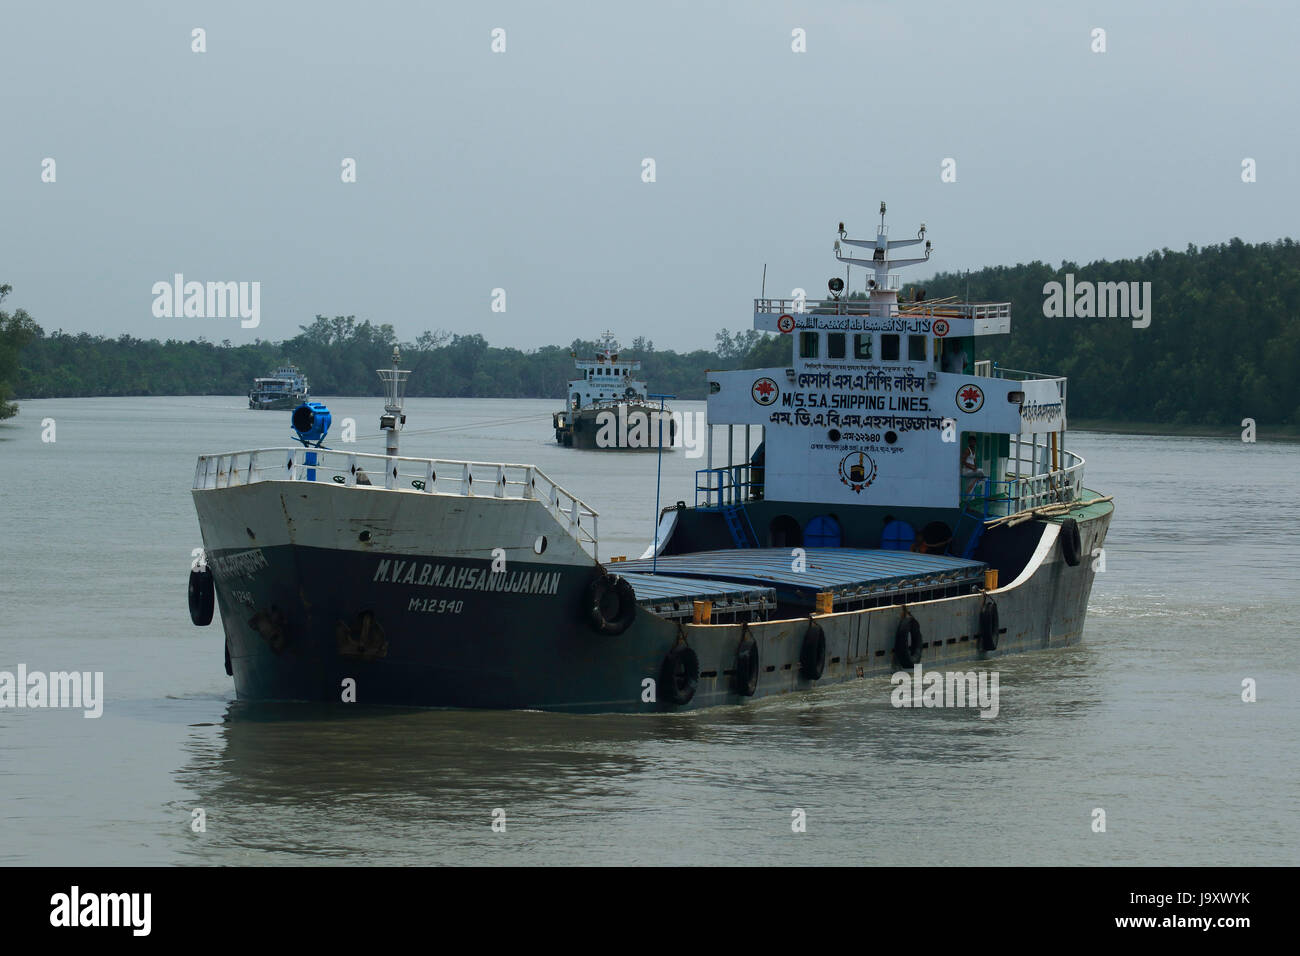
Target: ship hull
pixel 277 404
pixel 586 428
pixel 312 612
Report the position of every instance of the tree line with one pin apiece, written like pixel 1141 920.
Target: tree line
pixel 1222 345
pixel 339 356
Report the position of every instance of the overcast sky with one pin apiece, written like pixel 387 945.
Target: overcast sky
pixel 522 170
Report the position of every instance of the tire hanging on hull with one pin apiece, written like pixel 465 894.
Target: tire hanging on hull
pixel 907 642
pixel 202 595
pixel 989 625
pixel 1071 545
pixel 812 656
pixel 680 674
pixel 747 666
pixel 609 604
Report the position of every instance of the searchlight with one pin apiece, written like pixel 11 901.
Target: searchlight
pixel 311 422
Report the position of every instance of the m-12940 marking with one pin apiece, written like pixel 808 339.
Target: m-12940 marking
pixel 434 606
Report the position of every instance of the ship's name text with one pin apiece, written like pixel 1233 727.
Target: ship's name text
pixel 467 579
pixel 245 563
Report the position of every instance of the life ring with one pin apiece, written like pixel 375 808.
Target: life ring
pixel 202 596
pixel 610 604
pixel 812 656
pixel 747 665
pixel 680 674
pixel 989 626
pixel 629 392
pixel 1071 545
pixel 907 642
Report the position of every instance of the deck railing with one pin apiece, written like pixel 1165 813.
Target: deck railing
pixel 727 486
pixel 471 479
pixel 946 310
pixel 1025 484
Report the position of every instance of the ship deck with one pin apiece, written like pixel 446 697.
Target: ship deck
pixel 854 577
pixel 673 597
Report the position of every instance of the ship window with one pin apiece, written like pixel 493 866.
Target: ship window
pixel 862 346
pixel 889 348
pixel 835 345
pixel 808 344
pixel 916 348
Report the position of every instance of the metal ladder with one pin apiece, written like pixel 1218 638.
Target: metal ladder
pixel 742 532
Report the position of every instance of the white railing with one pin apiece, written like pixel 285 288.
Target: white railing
pixel 944 310
pixel 1019 375
pixel 472 479
pixel 956 310
pixel 1029 481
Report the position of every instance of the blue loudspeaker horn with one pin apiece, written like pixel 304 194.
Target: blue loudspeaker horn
pixel 311 420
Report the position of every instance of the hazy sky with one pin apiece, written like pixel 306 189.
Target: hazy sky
pixel 522 170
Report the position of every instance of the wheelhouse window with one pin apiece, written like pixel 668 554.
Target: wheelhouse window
pixel 808 345
pixel 889 348
pixel 835 345
pixel 862 346
pixel 916 348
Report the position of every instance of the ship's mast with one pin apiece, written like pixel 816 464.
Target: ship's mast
pixel 394 380
pixel 883 298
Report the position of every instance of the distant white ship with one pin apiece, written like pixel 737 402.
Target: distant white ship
pixel 285 389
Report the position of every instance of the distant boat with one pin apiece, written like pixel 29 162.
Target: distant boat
pixel 286 388
pixel 609 409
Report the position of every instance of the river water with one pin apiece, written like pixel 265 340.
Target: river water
pixel 1145 720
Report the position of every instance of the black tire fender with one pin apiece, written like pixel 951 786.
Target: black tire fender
pixel 747 666
pixel 680 674
pixel 1071 545
pixel 812 656
pixel 989 626
pixel 609 604
pixel 907 642
pixel 202 596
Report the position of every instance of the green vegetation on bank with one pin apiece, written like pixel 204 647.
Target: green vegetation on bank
pixel 339 356
pixel 16 331
pixel 1223 345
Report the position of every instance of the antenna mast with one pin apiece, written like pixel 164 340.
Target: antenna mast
pixel 392 420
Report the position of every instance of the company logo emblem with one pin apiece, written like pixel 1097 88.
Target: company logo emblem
pixel 857 470
pixel 785 324
pixel 940 327
pixel 765 391
pixel 970 398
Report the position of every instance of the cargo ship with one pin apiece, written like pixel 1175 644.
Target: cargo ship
pixel 284 389
pixel 608 409
pixel 885 499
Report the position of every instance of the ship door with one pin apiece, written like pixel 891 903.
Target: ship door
pixel 822 531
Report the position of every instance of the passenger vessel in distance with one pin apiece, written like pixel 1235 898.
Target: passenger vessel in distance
pixel 884 499
pixel 285 389
pixel 606 408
